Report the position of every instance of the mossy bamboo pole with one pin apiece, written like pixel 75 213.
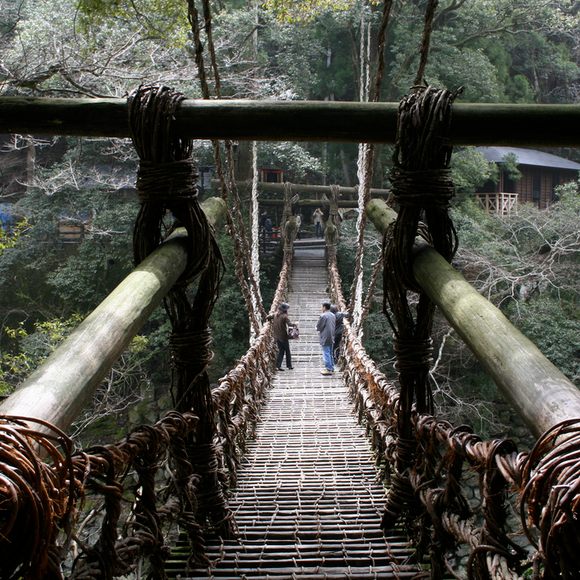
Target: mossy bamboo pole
pixel 307 188
pixel 346 203
pixel 59 390
pixel 349 122
pixel 539 391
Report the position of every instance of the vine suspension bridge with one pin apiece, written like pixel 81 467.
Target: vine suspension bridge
pixel 308 499
pixel 268 474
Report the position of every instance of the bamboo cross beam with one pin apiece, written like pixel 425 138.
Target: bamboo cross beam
pixel 349 122
pixel 307 188
pixel 538 390
pixel 344 203
pixel 59 390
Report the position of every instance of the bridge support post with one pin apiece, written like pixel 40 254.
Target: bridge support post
pixel 537 389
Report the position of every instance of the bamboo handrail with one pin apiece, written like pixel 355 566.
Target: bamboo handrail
pixel 59 389
pixel 538 390
pixel 352 122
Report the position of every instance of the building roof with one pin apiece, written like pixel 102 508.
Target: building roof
pixel 528 157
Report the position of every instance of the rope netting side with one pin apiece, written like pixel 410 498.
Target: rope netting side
pixel 428 460
pixel 443 518
pixel 136 519
pixel 43 488
pixel 241 393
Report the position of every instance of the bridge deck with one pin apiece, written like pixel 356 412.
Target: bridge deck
pixel 308 503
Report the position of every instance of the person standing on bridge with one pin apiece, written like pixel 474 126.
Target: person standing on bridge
pixel 317 221
pixel 338 330
pixel 325 327
pixel 280 325
pixel 298 217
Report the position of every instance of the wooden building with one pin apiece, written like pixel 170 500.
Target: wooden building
pixel 540 174
pixel 271 175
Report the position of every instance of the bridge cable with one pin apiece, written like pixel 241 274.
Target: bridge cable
pixel 229 192
pixel 365 172
pixel 252 277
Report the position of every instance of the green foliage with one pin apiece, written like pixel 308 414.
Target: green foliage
pixel 510 167
pixel 554 326
pixel 10 239
pixel 28 349
pixel 164 19
pixel 302 11
pixel 471 170
pixel 293 157
pixel 229 320
pixel 528 265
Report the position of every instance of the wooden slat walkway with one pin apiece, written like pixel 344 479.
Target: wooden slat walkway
pixel 308 503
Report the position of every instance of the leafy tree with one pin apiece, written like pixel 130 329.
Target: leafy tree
pixel 57 52
pixel 471 170
pixel 124 385
pixel 301 11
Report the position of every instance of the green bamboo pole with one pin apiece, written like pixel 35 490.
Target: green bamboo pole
pixel 59 390
pixel 540 392
pixel 307 188
pixel 349 122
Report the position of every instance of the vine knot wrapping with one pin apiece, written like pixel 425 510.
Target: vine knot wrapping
pixel 166 178
pixel 413 354
pixel 422 189
pixel 165 182
pixel 183 344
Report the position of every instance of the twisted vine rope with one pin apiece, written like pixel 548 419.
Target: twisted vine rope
pixel 249 285
pixel 551 493
pixel 365 174
pixel 36 497
pixel 241 393
pixel 166 183
pixel 43 486
pixel 422 189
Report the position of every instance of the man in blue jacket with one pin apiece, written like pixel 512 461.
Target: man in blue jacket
pixel 325 327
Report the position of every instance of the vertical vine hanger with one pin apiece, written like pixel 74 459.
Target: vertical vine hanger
pixel 422 190
pixel 166 183
pixel 248 283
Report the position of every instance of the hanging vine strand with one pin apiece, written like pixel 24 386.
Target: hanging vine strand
pixel 426 40
pixel 422 187
pixel 365 170
pixel 242 252
pixel 152 115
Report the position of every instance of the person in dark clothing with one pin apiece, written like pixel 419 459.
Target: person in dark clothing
pixel 280 325
pixel 325 327
pixel 338 329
